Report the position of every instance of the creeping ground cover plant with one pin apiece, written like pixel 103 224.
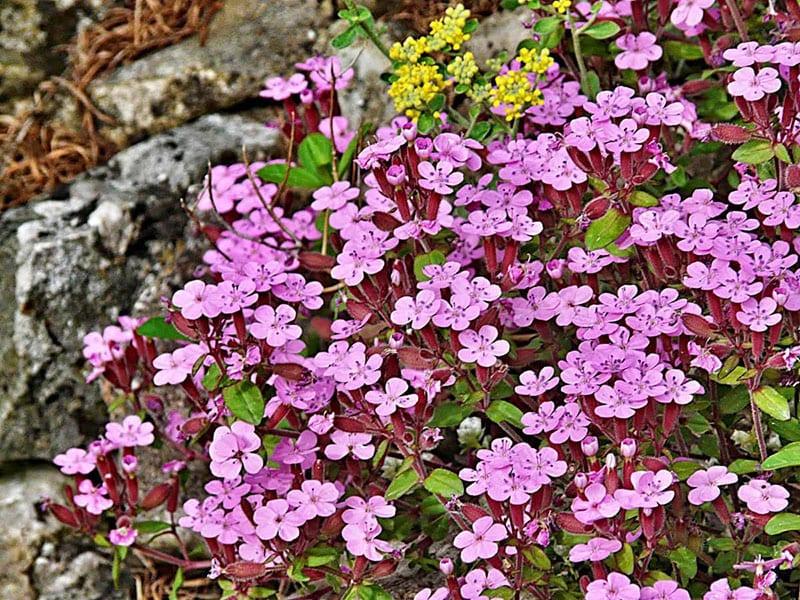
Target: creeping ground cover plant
pixel 537 337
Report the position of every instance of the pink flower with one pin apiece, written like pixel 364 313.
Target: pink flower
pixel 599 504
pixel 334 197
pixel 122 536
pixel 362 540
pixel 367 511
pixel 314 499
pixel 614 587
pixel 762 497
pixel 130 433
pixel 416 311
pixel 481 542
pixel 233 448
pixel 532 384
pixel 441 593
pixel 276 519
pixel 638 51
pixel 344 443
pixel 665 589
pixel 482 347
pixel 273 325
pixel 595 550
pixel 721 590
pixel 392 398
pixel 706 484
pixel 759 315
pixel 478 581
pixel 680 390
pixel 196 300
pixel 689 13
pixel 754 86
pixel 175 367
pixel 650 490
pixel 440 178
pixel 75 460
pixel 749 53
pixel 94 499
pixel 229 492
pixel 278 88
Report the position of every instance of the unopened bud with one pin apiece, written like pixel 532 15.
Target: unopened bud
pixel 446 566
pixel 423 147
pixel 590 445
pixel 396 174
pixel 581 481
pixel 628 448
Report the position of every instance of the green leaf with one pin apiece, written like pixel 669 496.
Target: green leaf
pixel 176 584
pixel 734 400
pixel 546 25
pixel 782 153
pixel 501 410
pixel 449 414
pixel 346 38
pixel 624 559
pixel 402 483
pixel 772 402
pixel 370 591
pixel 321 555
pixel 435 257
pixel 783 522
pixel 315 151
pixel 437 103
pixel 591 85
pixel 602 30
pixel 245 401
pixel 684 468
pixel 148 527
pixel 606 229
pixel 537 558
pixel 786 457
pixel 425 123
pixel 754 152
pixel 480 130
pixel 683 50
pixel 444 483
pixel 299 177
pixel 686 561
pixel 158 328
pixel 212 378
pixel 641 198
pixel 742 466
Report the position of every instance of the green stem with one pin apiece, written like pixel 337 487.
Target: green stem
pixel 373 37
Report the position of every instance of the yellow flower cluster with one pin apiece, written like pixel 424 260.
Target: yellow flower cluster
pixel 463 68
pixel 415 86
pixel 449 30
pixel 562 6
pixel 411 50
pixel 516 89
pixel 535 61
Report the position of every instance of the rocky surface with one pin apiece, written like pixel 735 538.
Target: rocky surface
pixel 68 265
pixel 246 42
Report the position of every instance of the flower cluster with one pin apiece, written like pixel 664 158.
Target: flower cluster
pixel 549 326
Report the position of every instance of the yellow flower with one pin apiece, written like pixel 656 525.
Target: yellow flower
pixel 515 91
pixel 449 30
pixel 410 50
pixel 535 61
pixel 562 6
pixel 463 68
pixel 415 86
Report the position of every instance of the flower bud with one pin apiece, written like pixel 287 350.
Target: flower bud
pixel 581 481
pixel 396 174
pixel 396 340
pixel 555 268
pixel 611 462
pixel 409 131
pixel 423 147
pixel 628 448
pixel 590 445
pixel 306 96
pixel 130 463
pixel 470 432
pixel 446 566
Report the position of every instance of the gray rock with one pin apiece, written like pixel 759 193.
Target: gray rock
pixel 247 42
pixel 112 243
